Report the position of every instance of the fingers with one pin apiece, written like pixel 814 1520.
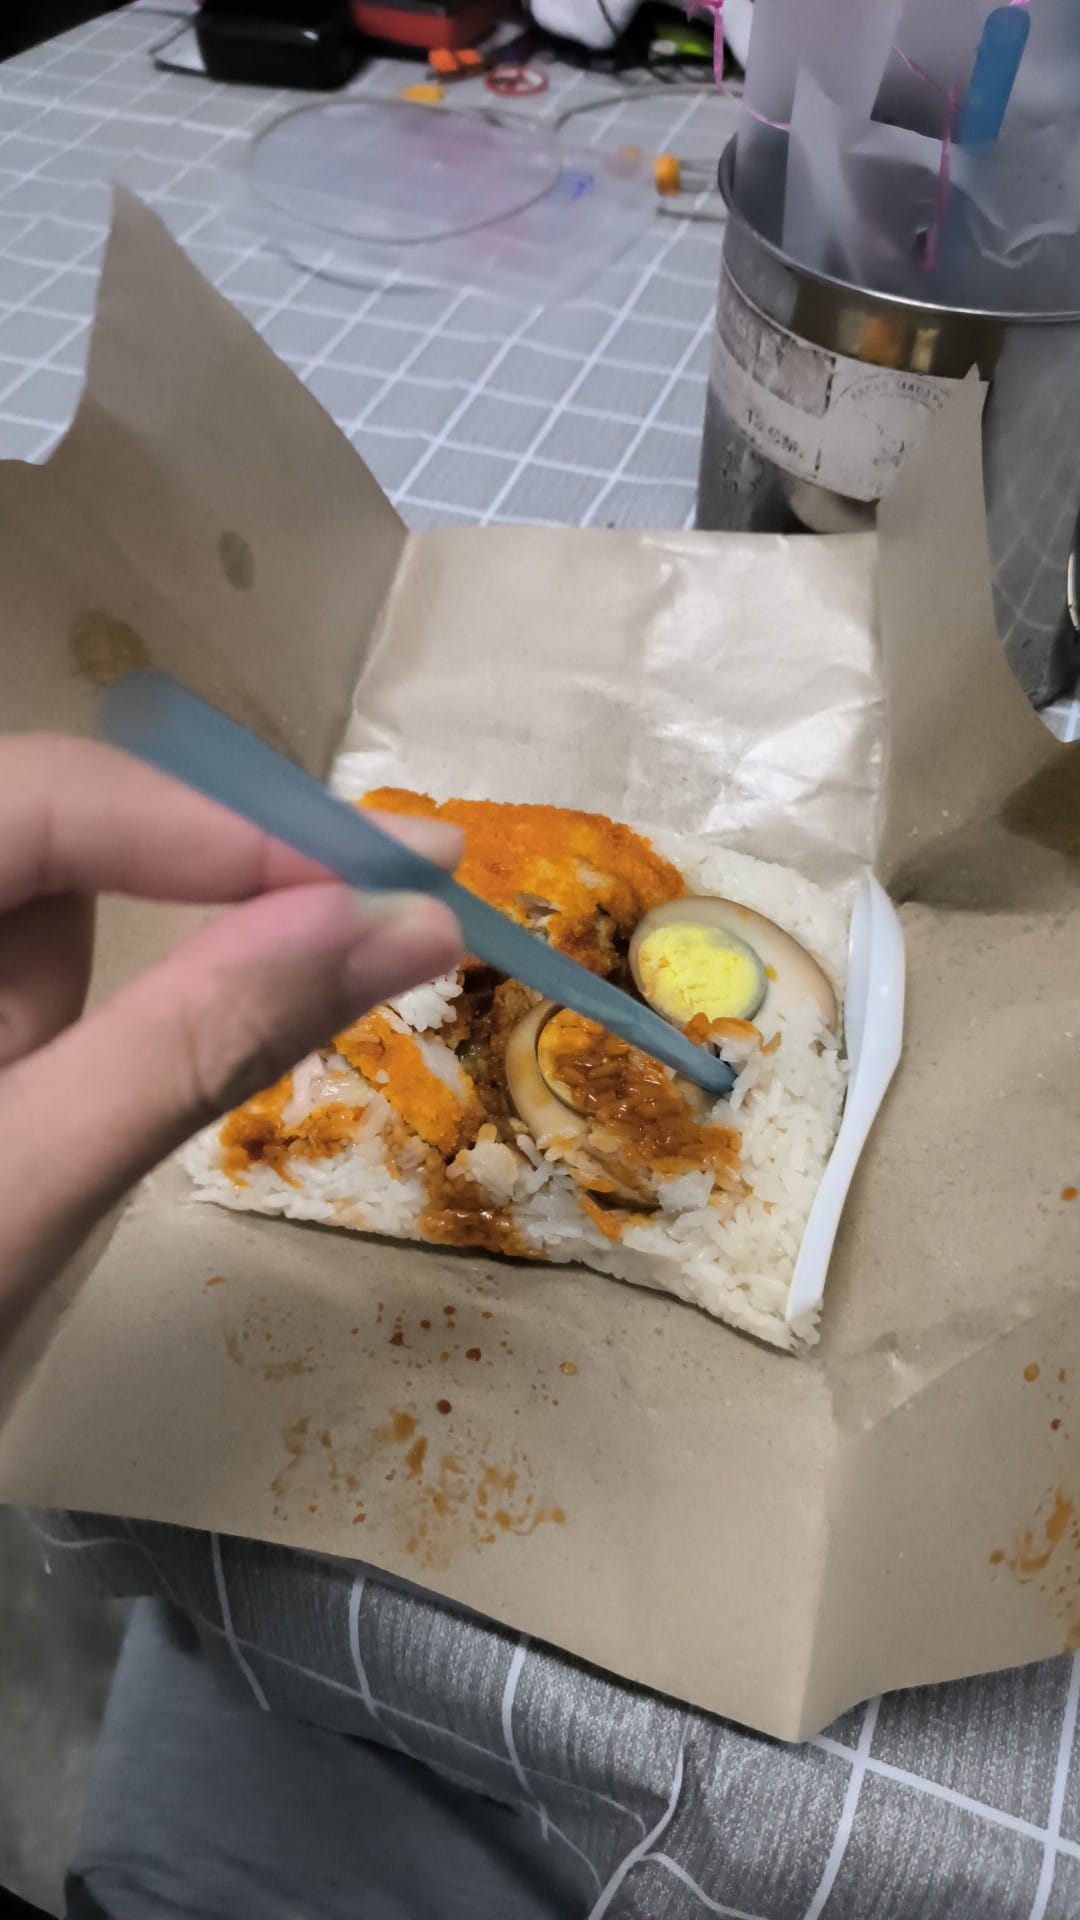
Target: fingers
pixel 45 953
pixel 82 818
pixel 436 839
pixel 226 1014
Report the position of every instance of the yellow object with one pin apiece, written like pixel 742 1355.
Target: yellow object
pixel 668 173
pixel 426 93
pixel 687 969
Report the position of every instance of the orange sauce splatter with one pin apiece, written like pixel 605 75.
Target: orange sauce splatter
pixel 567 1366
pixel 443 1406
pixel 397 1338
pixel 1069 1193
pixel 447 1500
pixel 472 1353
pixel 568 862
pixel 1030 1557
pixel 1031 1372
pixel 997 1557
pixel 285 1370
pixel 401 1428
pixel 217 1281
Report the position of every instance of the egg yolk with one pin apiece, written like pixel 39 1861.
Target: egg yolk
pixel 686 970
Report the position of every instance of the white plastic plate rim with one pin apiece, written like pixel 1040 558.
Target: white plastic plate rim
pixel 874 1024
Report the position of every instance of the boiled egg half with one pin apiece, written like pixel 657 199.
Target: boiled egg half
pixel 706 955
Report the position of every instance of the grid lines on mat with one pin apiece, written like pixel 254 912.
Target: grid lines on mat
pixel 466 410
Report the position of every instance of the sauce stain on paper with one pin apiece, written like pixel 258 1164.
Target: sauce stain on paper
pixel 285 1370
pixel 1045 1552
pixel 247 1346
pixel 1046 1556
pixel 237 560
pixel 456 1487
pixel 462 1494
pixel 104 648
pixel 312 1470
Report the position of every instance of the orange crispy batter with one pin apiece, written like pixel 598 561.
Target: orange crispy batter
pixel 518 856
pixel 442 1118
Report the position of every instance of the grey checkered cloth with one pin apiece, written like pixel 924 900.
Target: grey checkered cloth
pixel 946 1803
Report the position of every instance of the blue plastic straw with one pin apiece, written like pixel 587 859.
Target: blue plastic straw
pixel 149 715
pixel 993 76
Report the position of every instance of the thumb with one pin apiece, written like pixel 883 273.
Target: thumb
pixel 227 1013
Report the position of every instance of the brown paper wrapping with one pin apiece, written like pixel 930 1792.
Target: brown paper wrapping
pixel 767 1538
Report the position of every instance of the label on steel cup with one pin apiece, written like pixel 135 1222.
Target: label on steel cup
pixel 817 415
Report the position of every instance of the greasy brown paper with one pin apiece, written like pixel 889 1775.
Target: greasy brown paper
pixel 769 1538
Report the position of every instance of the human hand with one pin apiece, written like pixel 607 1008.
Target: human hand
pixel 88 1105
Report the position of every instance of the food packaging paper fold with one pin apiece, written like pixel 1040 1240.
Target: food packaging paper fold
pixel 769 1538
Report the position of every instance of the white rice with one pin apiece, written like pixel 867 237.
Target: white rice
pixel 786 1103
pixel 424 1008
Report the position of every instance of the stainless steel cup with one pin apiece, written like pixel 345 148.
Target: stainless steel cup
pixel 817 388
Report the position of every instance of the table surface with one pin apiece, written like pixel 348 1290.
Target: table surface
pixel 587 414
